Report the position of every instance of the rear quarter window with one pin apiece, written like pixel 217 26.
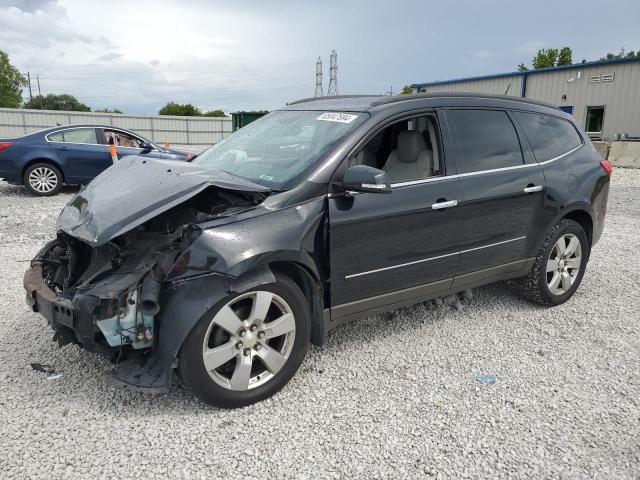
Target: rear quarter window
pixel 549 137
pixel 486 140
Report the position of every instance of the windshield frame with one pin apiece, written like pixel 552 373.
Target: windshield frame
pixel 313 164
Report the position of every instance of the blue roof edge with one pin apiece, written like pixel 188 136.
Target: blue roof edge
pixel 529 72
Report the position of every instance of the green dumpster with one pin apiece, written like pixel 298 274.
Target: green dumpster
pixel 241 119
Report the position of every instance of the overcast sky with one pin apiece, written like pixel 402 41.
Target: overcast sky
pixel 137 55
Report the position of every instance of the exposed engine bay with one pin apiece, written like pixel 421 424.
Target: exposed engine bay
pixel 124 276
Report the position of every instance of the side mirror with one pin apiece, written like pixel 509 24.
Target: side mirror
pixel 146 146
pixel 361 178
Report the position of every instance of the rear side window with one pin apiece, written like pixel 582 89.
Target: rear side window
pixel 486 140
pixel 75 135
pixel 549 137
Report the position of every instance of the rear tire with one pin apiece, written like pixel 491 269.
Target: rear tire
pixel 248 346
pixel 559 266
pixel 43 179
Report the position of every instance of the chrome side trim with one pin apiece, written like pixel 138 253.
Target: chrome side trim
pixel 493 244
pixel 436 178
pixel 439 178
pixel 115 129
pixel 516 167
pixel 424 260
pixel 494 170
pixel 561 156
pixel 378 270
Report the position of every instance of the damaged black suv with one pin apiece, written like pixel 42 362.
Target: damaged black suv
pixel 330 209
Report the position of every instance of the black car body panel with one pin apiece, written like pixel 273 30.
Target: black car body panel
pixel 91 216
pixel 199 236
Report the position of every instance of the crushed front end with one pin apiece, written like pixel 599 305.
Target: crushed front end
pixel 103 298
pixel 104 282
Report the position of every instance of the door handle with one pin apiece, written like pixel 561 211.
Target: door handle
pixel 443 205
pixel 533 189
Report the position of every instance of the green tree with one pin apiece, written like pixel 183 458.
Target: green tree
pixel 564 57
pixel 214 113
pixel 545 58
pixel 406 90
pixel 11 83
pixel 57 102
pixel 108 110
pixel 522 67
pixel 183 109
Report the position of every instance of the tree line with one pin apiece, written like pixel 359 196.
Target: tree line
pixel 554 57
pixel 12 83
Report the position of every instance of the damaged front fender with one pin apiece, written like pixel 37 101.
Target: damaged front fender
pixel 182 305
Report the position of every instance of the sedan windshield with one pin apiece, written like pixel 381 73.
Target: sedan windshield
pixel 277 149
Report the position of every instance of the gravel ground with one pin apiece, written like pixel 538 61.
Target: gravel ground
pixel 388 397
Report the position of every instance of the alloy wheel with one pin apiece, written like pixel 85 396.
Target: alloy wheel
pixel 564 264
pixel 43 180
pixel 249 340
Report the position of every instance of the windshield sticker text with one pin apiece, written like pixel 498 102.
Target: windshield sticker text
pixel 337 117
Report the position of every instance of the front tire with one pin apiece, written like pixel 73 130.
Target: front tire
pixel 247 347
pixel 43 179
pixel 559 265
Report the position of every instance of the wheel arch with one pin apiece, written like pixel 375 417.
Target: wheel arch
pixel 311 287
pixel 584 219
pixel 580 212
pixel 48 160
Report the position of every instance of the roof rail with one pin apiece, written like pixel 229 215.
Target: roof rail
pixel 416 96
pixel 311 99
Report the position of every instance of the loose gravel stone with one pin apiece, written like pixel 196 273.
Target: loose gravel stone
pixel 386 397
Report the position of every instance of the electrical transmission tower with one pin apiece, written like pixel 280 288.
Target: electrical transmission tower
pixel 332 91
pixel 319 92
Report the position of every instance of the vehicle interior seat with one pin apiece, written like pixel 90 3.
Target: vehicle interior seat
pixel 367 156
pixel 412 160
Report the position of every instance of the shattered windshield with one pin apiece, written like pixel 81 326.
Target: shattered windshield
pixel 278 148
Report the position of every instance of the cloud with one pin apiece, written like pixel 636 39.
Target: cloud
pixel 531 47
pixel 28 5
pixel 109 57
pixel 259 55
pixel 482 54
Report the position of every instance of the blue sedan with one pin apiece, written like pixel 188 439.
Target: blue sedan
pixel 73 154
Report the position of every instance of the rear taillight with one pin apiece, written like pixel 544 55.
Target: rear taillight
pixel 606 166
pixel 4 146
pixel 188 158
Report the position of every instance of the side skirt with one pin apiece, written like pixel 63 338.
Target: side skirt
pixel 410 296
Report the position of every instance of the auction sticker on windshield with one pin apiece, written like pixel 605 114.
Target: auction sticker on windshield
pixel 337 117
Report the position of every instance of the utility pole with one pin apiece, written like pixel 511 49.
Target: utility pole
pixel 39 92
pixel 29 79
pixel 332 91
pixel 319 92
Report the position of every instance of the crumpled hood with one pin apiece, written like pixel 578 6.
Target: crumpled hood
pixel 135 190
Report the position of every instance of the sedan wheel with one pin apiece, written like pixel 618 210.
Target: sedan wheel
pixel 564 264
pixel 43 179
pixel 249 340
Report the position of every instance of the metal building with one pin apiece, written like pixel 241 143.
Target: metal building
pixel 603 96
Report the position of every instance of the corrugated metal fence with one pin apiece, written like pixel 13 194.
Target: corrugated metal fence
pixel 190 131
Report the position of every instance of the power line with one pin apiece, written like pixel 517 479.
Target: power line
pixel 319 92
pixel 332 91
